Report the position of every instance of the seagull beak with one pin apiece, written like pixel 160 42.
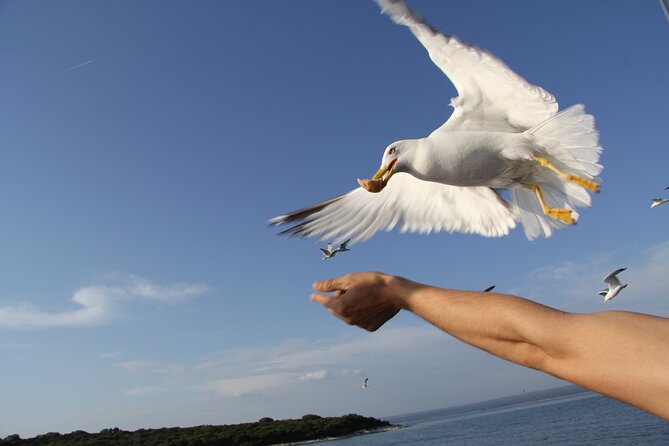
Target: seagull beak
pixel 389 169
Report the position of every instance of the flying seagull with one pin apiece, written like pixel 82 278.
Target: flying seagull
pixel 364 383
pixel 655 202
pixel 489 289
pixel 330 252
pixel 504 133
pixel 614 285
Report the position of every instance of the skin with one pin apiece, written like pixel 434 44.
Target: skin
pixel 619 354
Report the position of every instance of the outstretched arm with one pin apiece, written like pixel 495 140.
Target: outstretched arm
pixel 616 353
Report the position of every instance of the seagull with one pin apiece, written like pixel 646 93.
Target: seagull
pixel 364 383
pixel 658 201
pixel 504 133
pixel 330 252
pixel 614 285
pixel 489 289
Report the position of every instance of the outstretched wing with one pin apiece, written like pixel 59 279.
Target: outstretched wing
pixel 413 204
pixel 491 96
pixel 612 280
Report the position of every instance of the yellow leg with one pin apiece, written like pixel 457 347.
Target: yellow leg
pixel 564 215
pixel 587 184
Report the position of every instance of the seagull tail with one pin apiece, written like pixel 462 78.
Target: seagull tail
pixel 570 142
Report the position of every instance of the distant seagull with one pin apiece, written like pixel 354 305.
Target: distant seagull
pixel 74 67
pixel 614 285
pixel 364 383
pixel 658 201
pixel 489 289
pixel 331 252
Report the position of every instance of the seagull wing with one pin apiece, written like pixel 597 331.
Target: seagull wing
pixel 612 280
pixel 325 252
pixel 489 289
pixel 413 204
pixel 491 96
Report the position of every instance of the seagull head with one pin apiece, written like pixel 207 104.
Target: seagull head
pixel 393 160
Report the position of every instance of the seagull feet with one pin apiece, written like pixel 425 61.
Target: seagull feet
pixel 584 183
pixel 564 215
pixel 561 214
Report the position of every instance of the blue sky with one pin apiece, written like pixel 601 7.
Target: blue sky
pixel 145 144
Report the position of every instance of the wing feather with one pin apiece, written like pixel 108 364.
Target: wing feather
pixel 492 97
pixel 416 205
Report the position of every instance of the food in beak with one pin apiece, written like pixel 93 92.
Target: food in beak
pixel 372 185
pixel 378 182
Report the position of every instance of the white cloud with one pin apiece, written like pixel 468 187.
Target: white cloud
pixel 95 305
pixel 318 375
pixel 246 385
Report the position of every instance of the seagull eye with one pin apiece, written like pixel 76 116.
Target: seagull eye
pixel 391 150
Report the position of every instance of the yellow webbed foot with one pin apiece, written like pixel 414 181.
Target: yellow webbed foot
pixel 564 215
pixel 583 182
pixel 586 184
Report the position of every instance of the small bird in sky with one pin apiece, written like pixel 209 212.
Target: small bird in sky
pixel 489 289
pixel 330 251
pixel 614 285
pixel 364 383
pixel 658 201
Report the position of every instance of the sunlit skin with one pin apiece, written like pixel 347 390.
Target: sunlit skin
pixel 619 354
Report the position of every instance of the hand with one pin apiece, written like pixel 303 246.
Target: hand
pixel 367 300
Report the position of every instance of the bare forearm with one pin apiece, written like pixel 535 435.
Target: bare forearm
pixel 507 326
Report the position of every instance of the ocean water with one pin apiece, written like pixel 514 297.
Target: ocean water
pixel 585 419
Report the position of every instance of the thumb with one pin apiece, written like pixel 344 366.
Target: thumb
pixel 330 285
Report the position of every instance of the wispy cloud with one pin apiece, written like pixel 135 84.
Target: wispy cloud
pixel 318 375
pixel 95 305
pixel 79 65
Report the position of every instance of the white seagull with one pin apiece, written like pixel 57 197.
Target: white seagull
pixel 614 285
pixel 364 383
pixel 504 133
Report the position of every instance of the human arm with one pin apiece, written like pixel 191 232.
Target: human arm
pixel 620 354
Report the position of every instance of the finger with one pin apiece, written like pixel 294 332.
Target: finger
pixel 330 285
pixel 322 299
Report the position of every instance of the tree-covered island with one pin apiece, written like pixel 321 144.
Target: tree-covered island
pixel 266 431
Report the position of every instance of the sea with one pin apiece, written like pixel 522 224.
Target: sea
pixel 580 418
